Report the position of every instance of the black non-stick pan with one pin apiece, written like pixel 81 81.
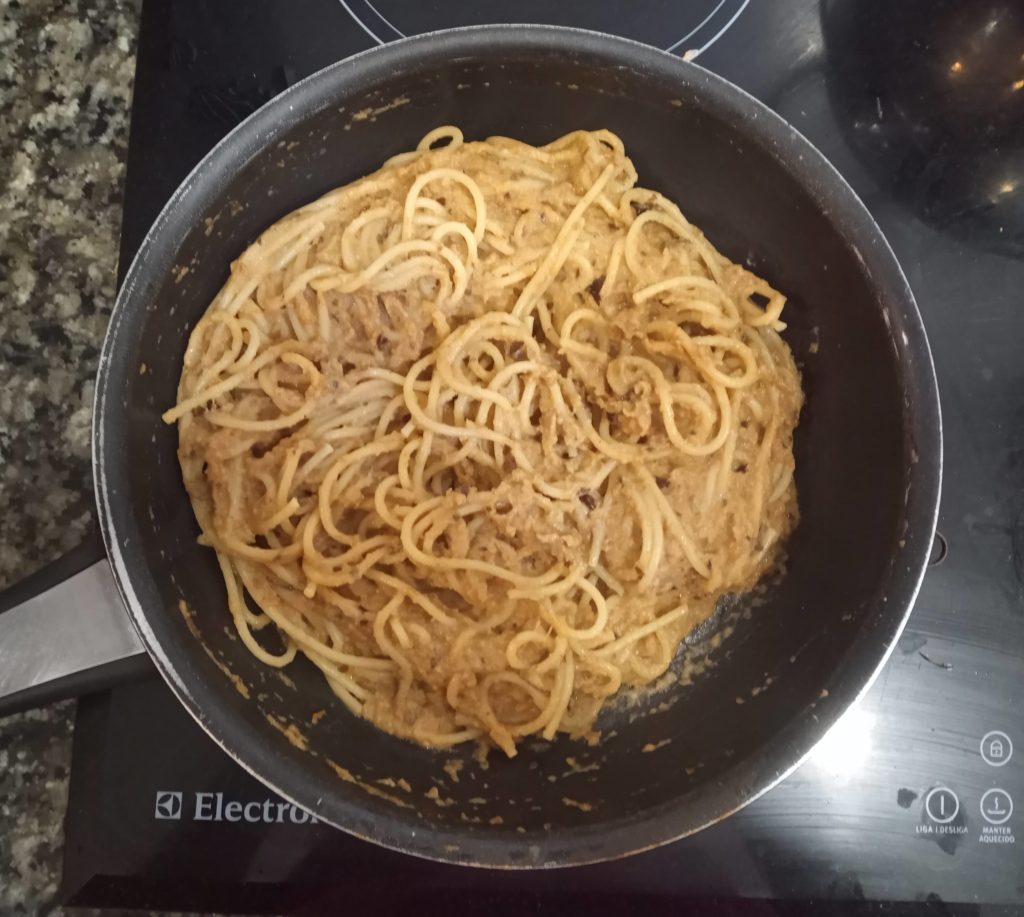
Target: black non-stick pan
pixel 769 675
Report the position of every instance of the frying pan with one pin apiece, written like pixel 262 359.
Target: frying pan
pixel 768 674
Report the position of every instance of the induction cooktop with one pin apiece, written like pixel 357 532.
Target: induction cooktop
pixel 915 801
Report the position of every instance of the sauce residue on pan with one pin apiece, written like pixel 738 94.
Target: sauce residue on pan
pixel 349 777
pixel 290 731
pixel 189 615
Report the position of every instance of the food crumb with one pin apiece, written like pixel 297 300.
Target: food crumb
pixel 441 801
pixel 654 746
pixel 576 804
pixel 453 767
pixel 575 767
pixel 317 716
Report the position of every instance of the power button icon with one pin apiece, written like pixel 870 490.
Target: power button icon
pixel 941 805
pixel 996 748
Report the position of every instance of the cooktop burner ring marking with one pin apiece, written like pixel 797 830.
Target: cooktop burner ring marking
pixel 362 25
pixel 725 28
pixel 398 32
pixel 732 13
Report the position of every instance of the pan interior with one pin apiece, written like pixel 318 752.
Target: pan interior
pixel 677 759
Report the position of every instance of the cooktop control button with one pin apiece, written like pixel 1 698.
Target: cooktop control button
pixel 941 804
pixel 996 748
pixel 996 806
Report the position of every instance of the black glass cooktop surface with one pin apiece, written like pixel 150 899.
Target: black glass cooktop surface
pixel 665 24
pixel 915 802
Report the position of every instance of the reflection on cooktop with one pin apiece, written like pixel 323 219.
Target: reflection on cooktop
pixel 934 91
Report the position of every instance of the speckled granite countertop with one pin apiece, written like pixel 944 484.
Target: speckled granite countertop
pixel 66 70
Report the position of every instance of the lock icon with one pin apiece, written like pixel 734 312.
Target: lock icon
pixel 996 748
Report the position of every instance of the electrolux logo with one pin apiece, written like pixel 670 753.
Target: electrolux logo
pixel 168 805
pixel 215 807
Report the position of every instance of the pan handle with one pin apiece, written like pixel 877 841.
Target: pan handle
pixel 64 632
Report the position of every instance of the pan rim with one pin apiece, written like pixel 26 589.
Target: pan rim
pixel 921 412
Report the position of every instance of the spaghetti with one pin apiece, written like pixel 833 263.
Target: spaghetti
pixel 485 434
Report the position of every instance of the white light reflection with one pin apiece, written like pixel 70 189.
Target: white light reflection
pixel 846 747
